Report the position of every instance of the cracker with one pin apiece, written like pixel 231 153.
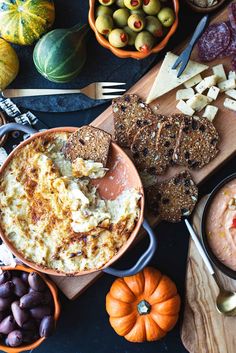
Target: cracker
pixel 130 113
pixel 88 143
pixel 197 143
pixel 144 151
pixel 173 199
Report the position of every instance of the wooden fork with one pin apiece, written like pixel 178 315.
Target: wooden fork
pixel 96 90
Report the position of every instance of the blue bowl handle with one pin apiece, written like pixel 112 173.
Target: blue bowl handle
pixel 4 129
pixel 142 261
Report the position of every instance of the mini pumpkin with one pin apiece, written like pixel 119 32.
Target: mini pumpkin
pixel 9 64
pixel 143 307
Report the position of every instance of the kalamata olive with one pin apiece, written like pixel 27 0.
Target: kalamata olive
pixel 30 336
pixel 32 299
pixel 2 315
pixel 47 326
pixel 6 289
pixel 5 276
pixel 24 277
pixel 7 325
pixel 48 297
pixel 15 338
pixel 31 324
pixel 20 287
pixel 5 303
pixel 20 315
pixel 36 282
pixel 40 311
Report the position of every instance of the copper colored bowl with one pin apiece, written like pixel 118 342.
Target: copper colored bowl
pixel 122 53
pixel 122 174
pixel 57 309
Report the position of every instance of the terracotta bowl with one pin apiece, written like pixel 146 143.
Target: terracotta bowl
pixel 122 175
pixel 122 53
pixel 204 9
pixel 53 290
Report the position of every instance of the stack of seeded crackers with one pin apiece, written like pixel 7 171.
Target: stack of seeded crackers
pixel 158 142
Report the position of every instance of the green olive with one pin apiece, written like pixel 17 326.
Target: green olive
pixel 136 23
pixel 106 2
pixel 120 3
pixel 144 42
pixel 154 26
pixel 133 4
pixel 103 10
pixel 151 7
pixel 166 16
pixel 104 24
pixel 118 38
pixel 139 12
pixel 131 35
pixel 120 17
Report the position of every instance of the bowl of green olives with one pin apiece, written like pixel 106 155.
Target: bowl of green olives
pixel 134 28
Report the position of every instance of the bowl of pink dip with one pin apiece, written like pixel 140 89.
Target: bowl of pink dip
pixel 219 226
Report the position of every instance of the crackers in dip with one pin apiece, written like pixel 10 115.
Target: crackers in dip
pixel 221 225
pixel 53 214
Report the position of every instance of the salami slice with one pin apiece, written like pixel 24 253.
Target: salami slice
pixel 232 14
pixel 231 49
pixel 233 62
pixel 214 41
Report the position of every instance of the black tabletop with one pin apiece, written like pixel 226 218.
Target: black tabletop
pixel 84 325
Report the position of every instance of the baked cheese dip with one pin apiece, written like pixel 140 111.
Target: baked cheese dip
pixel 52 213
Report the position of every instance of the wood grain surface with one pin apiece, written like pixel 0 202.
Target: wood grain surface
pixel 204 330
pixel 225 123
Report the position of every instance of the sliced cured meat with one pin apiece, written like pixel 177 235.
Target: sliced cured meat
pixel 233 62
pixel 214 41
pixel 231 49
pixel 232 14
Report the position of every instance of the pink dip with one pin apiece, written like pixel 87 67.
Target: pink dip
pixel 221 225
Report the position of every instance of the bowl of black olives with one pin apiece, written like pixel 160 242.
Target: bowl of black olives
pixel 29 309
pixel 134 28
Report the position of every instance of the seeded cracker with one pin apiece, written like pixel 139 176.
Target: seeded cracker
pixel 174 198
pixel 145 154
pixel 130 114
pixel 88 143
pixel 197 143
pixel 167 137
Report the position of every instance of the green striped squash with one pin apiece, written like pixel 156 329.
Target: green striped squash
pixel 60 54
pixel 23 22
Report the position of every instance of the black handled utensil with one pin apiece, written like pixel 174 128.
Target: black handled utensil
pixel 184 57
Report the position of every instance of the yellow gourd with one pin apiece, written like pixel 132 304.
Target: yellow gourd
pixel 9 64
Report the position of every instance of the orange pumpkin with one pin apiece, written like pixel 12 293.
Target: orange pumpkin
pixel 143 307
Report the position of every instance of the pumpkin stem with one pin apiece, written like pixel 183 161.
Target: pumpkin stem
pixel 143 307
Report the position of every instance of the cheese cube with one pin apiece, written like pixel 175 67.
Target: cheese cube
pixel 227 85
pixel 184 108
pixel 198 102
pixel 230 104
pixel 193 81
pixel 213 92
pixel 201 87
pixel 185 93
pixel 232 74
pixel 219 71
pixel 211 81
pixel 231 93
pixel 210 112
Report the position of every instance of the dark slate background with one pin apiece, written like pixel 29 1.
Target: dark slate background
pixel 84 326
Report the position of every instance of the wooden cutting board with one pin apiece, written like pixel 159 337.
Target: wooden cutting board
pixel 225 123
pixel 204 330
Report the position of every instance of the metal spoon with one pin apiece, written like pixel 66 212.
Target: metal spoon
pixel 226 300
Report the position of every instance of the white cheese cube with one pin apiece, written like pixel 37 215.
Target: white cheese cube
pixel 211 80
pixel 198 102
pixel 227 85
pixel 230 104
pixel 210 112
pixel 219 71
pixel 184 108
pixel 232 74
pixel 213 92
pixel 193 81
pixel 231 93
pixel 201 87
pixel 185 93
